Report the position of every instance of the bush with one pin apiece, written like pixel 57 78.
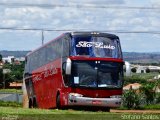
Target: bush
pixel 131 99
pixel 149 93
pixel 158 98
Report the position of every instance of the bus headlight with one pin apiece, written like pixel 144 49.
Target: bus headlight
pixel 75 95
pixel 116 96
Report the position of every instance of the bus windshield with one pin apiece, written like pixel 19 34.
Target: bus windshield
pixel 95 47
pixel 93 74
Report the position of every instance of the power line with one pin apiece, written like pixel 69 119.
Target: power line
pixel 69 30
pixel 50 6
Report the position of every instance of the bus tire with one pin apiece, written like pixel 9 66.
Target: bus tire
pixel 107 109
pixel 58 104
pixel 34 103
pixel 30 103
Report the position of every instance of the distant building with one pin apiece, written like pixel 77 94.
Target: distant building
pixel 9 59
pixel 134 86
pixel 154 68
pixel 16 62
pixel 141 69
pixel 12 59
pixel 15 85
pixel 20 59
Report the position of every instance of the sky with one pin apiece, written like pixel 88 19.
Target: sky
pixel 80 15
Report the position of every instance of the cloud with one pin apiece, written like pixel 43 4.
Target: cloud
pixel 9 23
pixel 136 21
pixel 103 2
pixel 20 40
pixel 97 1
pixel 155 3
pixel 78 19
pixel 154 22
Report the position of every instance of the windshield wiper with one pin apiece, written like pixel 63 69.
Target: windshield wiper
pixel 88 85
pixel 108 86
pixel 112 86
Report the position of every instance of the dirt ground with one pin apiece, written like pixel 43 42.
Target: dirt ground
pixel 134 111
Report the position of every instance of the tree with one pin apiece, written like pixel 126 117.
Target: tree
pixel 149 93
pixel 158 98
pixel 131 99
pixel 9 77
pixel 0 58
pixel 16 70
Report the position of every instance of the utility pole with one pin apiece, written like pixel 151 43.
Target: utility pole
pixel 42 37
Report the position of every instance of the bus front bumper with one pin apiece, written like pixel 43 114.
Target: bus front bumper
pixel 79 100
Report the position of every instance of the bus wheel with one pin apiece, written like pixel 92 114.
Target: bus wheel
pixel 107 109
pixel 34 103
pixel 58 104
pixel 30 103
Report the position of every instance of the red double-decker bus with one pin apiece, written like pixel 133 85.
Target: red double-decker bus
pixel 75 69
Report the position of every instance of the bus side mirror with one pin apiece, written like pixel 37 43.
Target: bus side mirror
pixel 68 66
pixel 128 68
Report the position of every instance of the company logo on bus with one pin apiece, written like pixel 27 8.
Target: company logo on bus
pixel 94 44
pixel 47 72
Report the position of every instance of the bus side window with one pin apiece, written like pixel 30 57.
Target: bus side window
pixel 49 53
pixel 42 57
pixel 26 73
pixel 66 46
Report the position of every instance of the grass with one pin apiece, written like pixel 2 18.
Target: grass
pixel 14 111
pixel 146 76
pixel 141 78
pixel 43 114
pixel 10 104
pixel 146 107
pixel 152 107
pixel 11 91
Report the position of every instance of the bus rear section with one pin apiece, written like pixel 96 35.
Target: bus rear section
pixel 88 71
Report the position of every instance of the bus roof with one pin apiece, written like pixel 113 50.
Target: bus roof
pixel 100 34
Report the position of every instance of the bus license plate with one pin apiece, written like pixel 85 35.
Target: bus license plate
pixel 96 102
